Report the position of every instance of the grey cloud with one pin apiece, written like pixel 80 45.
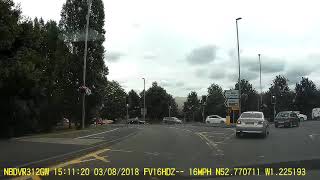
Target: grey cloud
pixel 217 74
pixel 171 83
pixel 268 65
pixel 249 75
pixel 180 83
pixel 201 72
pixel 202 55
pixel 245 74
pixel 295 74
pixel 113 56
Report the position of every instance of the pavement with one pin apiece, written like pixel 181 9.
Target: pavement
pixel 187 149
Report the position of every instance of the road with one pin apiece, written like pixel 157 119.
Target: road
pixel 169 146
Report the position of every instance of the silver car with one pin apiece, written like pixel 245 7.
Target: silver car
pixel 252 122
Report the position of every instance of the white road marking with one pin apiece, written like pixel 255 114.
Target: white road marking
pixel 121 150
pixel 211 144
pixel 96 134
pixel 72 152
pixel 181 129
pixel 312 136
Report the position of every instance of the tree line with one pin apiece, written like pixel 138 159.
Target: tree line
pixel 41 69
pixel 304 97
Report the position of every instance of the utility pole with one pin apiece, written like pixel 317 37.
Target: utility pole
pixel 144 99
pixel 85 65
pixel 239 64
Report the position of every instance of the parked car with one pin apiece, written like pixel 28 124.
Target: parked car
pixel 171 120
pixel 252 122
pixel 315 114
pixel 98 121
pixel 215 119
pixel 287 119
pixel 302 117
pixel 63 123
pixel 136 121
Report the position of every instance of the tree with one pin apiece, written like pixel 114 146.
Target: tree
pixel 114 101
pixel 215 101
pixel 173 106
pixel 72 24
pixel 134 104
pixel 249 96
pixel 284 97
pixel 158 102
pixel 191 107
pixel 306 96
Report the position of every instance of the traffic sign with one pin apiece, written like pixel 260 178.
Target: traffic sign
pixel 232 103
pixel 231 94
pixel 235 108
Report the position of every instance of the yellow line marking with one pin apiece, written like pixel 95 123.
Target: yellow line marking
pixel 82 159
pixel 27 178
pixel 71 162
pixel 101 158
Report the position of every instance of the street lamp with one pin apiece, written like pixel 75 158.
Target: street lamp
pixel 127 112
pixel 239 64
pixel 260 82
pixel 273 101
pixel 144 99
pixel 84 63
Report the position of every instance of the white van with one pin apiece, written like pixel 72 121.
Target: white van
pixel 315 114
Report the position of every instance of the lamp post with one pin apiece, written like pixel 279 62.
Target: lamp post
pixel 85 65
pixel 144 99
pixel 127 105
pixel 239 64
pixel 260 83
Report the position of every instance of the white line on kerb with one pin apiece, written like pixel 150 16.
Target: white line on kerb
pixel 96 134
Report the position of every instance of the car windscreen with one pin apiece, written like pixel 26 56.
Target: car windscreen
pixel 283 114
pixel 251 115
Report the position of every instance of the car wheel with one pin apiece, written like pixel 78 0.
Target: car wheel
pixel 264 134
pixel 290 124
pixel 238 134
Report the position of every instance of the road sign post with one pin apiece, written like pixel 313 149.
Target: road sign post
pixel 232 102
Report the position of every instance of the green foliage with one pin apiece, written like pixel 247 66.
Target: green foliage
pixel 192 107
pixel 114 101
pixel 134 104
pixel 215 101
pixel 72 24
pixel 306 96
pixel 249 96
pixel 158 102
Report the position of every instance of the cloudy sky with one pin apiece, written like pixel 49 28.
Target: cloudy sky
pixel 187 45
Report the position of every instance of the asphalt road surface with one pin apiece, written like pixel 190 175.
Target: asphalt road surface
pixel 187 149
